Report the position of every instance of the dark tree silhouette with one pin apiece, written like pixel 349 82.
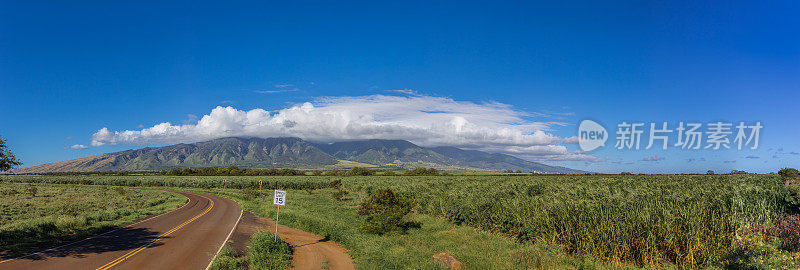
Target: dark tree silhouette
pixel 7 159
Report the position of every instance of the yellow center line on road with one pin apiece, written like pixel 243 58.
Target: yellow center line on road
pixel 133 252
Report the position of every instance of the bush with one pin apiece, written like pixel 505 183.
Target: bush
pixel 389 173
pixel 120 191
pixel 233 171
pixel 359 171
pixel 422 171
pixel 767 247
pixel 31 190
pixel 334 172
pixel 249 193
pixel 268 253
pixel 385 211
pixel 789 173
pixel 227 260
pixel 336 183
pixel 339 194
pixel 710 172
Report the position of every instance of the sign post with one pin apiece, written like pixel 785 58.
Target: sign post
pixel 279 199
pixel 259 185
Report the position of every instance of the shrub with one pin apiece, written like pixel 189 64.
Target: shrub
pixel 120 191
pixel 334 172
pixel 268 253
pixel 31 190
pixel 389 173
pixel 767 247
pixel 339 194
pixel 710 172
pixel 422 171
pixel 359 171
pixel 789 173
pixel 227 260
pixel 249 193
pixel 336 183
pixel 385 211
pixel 788 231
pixel 233 171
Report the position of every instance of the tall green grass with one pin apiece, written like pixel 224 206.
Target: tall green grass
pixel 320 212
pixel 646 220
pixel 633 219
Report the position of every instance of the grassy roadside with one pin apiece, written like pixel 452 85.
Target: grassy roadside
pixel 318 212
pixel 265 253
pixel 37 216
pixel 650 220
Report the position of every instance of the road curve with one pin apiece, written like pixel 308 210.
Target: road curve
pixel 186 238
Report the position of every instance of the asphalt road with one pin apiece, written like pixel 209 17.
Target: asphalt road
pixel 186 238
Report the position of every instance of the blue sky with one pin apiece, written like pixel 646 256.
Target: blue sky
pixel 68 70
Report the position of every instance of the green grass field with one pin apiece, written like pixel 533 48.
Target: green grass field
pixel 319 212
pixel 35 216
pixel 575 221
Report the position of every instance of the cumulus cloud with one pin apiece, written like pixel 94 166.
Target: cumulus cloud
pixel 424 120
pixel 78 146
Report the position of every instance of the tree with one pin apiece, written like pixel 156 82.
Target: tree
pixel 422 171
pixel 384 211
pixel 356 171
pixel 789 173
pixel 7 159
pixel 710 172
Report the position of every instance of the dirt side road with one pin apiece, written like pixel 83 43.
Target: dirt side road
pixel 311 251
pixel 186 238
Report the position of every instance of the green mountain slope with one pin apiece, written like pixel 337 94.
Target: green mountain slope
pixel 293 153
pixel 241 152
pixel 497 162
pixel 381 152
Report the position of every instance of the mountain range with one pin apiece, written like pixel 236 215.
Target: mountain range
pixel 289 152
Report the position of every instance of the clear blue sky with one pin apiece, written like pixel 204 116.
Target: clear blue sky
pixel 70 69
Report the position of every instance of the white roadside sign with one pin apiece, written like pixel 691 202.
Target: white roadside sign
pixel 280 198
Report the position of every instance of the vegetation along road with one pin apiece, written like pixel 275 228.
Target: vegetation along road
pixel 186 238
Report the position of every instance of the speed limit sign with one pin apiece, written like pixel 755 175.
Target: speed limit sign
pixel 280 198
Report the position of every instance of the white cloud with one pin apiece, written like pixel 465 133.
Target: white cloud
pixel 276 91
pixel 78 146
pixel 424 120
pixel 653 158
pixel 405 91
pixel 280 88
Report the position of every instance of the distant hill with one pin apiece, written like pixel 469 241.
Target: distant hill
pixel 497 162
pixel 384 152
pixel 293 153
